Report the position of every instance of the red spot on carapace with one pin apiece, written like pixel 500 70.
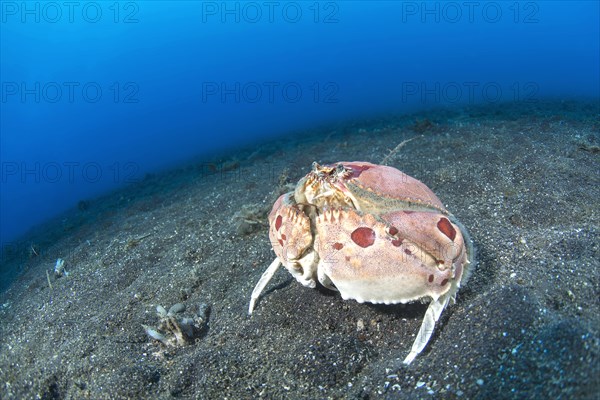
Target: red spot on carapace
pixel 338 246
pixel 280 242
pixel 283 236
pixel 397 242
pixel 444 282
pixel 440 262
pixel 446 228
pixel 407 251
pixel 430 278
pixel 364 237
pixel 278 222
pixel 393 230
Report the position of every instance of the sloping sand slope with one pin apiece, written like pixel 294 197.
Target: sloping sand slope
pixel 523 178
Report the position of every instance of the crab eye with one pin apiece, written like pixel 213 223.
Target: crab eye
pixel 339 169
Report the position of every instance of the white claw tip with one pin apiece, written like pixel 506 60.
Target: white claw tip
pixel 409 358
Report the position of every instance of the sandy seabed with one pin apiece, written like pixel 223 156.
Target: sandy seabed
pixel 523 178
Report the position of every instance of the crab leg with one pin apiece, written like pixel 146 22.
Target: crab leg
pixel 431 316
pixel 262 282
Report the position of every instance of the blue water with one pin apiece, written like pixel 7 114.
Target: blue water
pixel 97 94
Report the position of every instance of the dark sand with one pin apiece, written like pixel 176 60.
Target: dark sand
pixel 523 178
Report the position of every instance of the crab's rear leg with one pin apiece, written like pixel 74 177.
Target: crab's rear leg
pixel 262 282
pixel 431 316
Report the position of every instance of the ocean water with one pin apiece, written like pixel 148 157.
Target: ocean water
pixel 95 95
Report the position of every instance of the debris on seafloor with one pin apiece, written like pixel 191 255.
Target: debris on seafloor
pixel 133 242
pixel 49 283
pixel 175 329
pixel 59 268
pixel 251 218
pixel 396 149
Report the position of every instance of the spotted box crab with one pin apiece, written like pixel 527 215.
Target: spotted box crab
pixel 374 234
